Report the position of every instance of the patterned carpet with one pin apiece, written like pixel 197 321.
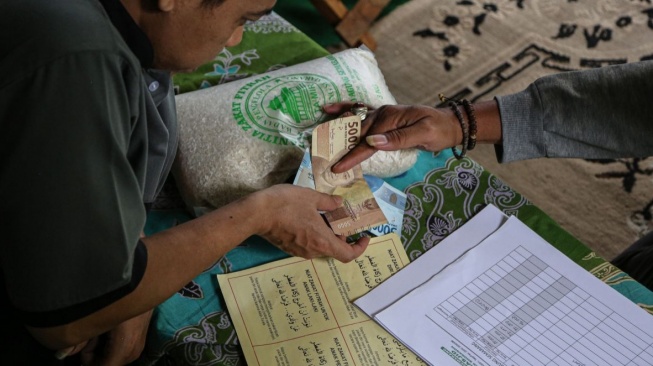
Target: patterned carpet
pixel 478 49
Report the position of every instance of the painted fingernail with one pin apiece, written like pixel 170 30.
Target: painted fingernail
pixel 62 353
pixel 376 140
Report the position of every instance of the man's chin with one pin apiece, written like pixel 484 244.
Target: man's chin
pixel 179 68
pixel 176 68
pixel 183 71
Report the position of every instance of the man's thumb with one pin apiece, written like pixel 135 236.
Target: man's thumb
pixel 329 202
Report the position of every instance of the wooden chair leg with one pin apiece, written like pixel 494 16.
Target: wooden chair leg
pixel 352 25
pixel 357 21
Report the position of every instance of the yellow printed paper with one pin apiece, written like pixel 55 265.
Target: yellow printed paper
pixel 300 312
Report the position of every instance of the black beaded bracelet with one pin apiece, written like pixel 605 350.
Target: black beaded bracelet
pixel 471 116
pixel 463 126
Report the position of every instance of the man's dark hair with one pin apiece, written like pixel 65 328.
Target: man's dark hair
pixel 212 3
pixel 152 4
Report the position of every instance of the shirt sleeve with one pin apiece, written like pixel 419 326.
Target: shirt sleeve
pixel 601 113
pixel 70 181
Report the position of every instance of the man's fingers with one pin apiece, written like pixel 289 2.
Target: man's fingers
pixel 327 202
pixel 63 353
pixel 355 250
pixel 338 108
pixel 398 139
pixel 354 157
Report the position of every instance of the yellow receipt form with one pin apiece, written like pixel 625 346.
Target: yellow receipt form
pixel 300 312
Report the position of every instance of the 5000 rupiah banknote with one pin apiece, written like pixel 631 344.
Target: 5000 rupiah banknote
pixel 391 200
pixel 359 210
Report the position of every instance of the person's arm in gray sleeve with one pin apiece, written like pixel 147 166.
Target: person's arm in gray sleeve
pixel 598 113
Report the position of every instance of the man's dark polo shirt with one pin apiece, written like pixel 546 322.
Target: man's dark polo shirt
pixel 87 135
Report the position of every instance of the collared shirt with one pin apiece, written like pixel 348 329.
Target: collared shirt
pixel 87 136
pixel 162 131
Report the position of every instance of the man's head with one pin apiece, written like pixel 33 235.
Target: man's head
pixel 188 33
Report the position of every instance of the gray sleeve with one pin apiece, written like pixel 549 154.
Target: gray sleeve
pixel 599 114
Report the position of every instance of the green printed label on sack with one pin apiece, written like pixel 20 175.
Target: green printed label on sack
pixel 280 110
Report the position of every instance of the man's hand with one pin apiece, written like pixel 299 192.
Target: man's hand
pixel 293 223
pixel 396 127
pixel 120 346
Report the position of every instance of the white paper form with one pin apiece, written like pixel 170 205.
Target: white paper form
pixel 432 261
pixel 515 300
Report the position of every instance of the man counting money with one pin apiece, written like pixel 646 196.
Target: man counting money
pixel 87 137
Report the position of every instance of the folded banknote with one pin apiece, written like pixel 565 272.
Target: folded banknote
pixel 359 210
pixel 391 200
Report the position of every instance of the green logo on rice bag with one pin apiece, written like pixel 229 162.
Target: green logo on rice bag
pixel 280 110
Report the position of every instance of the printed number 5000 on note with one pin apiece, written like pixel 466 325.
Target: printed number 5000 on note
pixel 359 211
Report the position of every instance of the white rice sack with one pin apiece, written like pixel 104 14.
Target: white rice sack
pixel 385 164
pixel 249 134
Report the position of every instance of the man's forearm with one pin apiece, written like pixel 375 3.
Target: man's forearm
pixel 488 122
pixel 175 257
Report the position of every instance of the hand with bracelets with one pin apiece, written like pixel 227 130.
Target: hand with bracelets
pixel 395 127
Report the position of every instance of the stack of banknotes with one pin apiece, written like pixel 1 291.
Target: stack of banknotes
pixel 369 204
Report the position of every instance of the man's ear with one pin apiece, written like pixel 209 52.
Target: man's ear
pixel 166 5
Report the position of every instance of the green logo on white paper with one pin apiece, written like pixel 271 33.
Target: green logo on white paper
pixel 280 110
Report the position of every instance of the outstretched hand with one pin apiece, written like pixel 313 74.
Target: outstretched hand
pixel 294 224
pixel 396 127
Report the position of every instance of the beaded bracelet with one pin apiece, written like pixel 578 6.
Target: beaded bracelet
pixel 469 141
pixel 463 126
pixel 471 116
